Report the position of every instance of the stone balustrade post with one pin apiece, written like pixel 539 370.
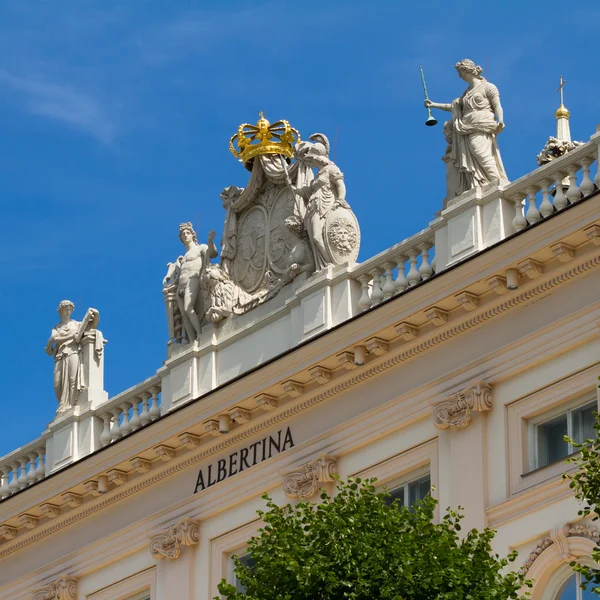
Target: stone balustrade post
pixel 519 222
pixel 22 479
pixel 401 282
pixel 413 277
pixel 389 287
pixel 365 299
pixel 533 214
pixel 155 409
pixel 587 186
pixel 425 270
pixel 376 291
pixel 145 417
pixel 546 208
pixel 560 200
pixel 573 193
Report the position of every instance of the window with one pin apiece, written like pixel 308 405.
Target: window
pixel 247 561
pixel 571 590
pixel 411 490
pixel 548 444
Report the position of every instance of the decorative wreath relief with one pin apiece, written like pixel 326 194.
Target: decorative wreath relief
pixel 342 235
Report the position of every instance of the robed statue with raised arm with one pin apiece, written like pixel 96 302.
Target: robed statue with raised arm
pixel 477 118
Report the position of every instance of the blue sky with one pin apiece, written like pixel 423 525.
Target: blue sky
pixel 115 119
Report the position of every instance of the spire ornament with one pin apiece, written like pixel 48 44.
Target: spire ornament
pixel 561 144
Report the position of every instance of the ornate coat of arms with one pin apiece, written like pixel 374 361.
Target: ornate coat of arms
pixel 287 221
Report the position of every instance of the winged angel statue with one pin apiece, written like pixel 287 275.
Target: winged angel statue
pixel 292 219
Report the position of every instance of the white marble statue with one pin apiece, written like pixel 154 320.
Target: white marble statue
pixel 65 346
pixel 477 118
pixel 189 278
pixel 332 228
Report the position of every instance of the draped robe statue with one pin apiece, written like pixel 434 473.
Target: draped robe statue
pixel 64 346
pixel 473 156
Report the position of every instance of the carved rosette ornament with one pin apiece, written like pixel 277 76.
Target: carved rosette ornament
pixel 305 482
pixel 455 412
pixel 169 543
pixel 64 588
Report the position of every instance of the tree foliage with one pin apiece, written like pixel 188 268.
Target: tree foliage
pixel 585 482
pixel 358 546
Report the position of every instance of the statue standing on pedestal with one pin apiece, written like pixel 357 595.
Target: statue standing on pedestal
pixel 65 346
pixel 473 151
pixel 191 268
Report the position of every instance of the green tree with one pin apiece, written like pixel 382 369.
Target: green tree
pixel 358 546
pixel 585 482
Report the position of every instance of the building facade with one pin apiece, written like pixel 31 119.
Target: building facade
pixel 456 359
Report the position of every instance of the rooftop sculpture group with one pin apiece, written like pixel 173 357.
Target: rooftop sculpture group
pixel 288 221
pixel 292 219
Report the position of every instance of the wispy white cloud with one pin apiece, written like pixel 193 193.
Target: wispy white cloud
pixel 62 102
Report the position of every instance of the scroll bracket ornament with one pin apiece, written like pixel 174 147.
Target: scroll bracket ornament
pixel 170 542
pixel 455 412
pixel 304 482
pixel 64 588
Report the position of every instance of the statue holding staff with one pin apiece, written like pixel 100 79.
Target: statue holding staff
pixel 477 118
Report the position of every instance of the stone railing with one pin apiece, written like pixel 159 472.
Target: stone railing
pixel 22 467
pixel 130 410
pixel 535 196
pixel 554 186
pixel 396 269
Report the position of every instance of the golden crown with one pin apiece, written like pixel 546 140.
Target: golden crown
pixel 263 138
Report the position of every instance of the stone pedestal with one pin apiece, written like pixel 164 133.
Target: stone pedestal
pixel 74 434
pixel 476 220
pixel 303 309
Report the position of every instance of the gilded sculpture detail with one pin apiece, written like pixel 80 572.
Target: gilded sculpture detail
pixel 291 219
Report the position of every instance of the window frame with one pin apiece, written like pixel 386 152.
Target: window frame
pixel 242 551
pixel 583 401
pixel 407 479
pixel 223 546
pixel 569 391
pixel 559 577
pixel 397 469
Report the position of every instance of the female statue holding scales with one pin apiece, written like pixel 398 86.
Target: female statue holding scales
pixel 474 149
